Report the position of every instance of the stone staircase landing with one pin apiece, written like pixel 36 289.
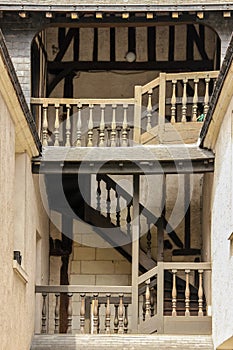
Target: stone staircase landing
pixel 123 342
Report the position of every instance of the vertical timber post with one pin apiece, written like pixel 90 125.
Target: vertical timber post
pixel 160 280
pixel 137 114
pixel 135 252
pixel 162 104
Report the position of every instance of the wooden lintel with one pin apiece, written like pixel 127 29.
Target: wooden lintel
pixel 174 66
pixel 167 167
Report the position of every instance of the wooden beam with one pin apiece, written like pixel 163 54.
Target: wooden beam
pixel 151 44
pixel 171 43
pixel 135 251
pixel 64 42
pixel 175 66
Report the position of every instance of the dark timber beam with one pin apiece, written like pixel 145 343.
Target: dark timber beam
pixel 89 167
pixel 57 67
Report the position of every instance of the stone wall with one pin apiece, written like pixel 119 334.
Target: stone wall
pixel 23 223
pixel 221 229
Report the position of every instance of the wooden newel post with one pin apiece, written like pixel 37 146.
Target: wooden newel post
pixel 137 114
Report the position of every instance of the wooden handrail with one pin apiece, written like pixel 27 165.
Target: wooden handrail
pixel 82 101
pixel 187 265
pixel 82 289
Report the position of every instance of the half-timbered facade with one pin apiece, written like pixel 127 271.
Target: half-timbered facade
pixel 118 95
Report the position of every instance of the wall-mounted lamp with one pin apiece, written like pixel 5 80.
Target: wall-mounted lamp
pixel 99 15
pixel 227 14
pixel 130 56
pixel 175 14
pixel 149 15
pixel 74 15
pixel 23 14
pixel 48 15
pixel 200 15
pixel 125 15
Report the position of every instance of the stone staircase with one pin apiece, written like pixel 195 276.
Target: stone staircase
pixel 121 342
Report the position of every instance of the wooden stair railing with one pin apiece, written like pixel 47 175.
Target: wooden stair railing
pixel 104 309
pixel 174 98
pixel 149 217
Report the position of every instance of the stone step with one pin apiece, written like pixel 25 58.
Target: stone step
pixel 121 342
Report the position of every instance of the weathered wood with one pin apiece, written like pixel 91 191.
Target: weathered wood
pixel 82 313
pixel 44 314
pixel 174 293
pixel 108 315
pixel 135 251
pixel 56 314
pixel 187 293
pixel 200 293
pixel 137 113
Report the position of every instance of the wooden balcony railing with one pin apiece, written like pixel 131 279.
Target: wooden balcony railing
pixel 174 98
pixel 109 309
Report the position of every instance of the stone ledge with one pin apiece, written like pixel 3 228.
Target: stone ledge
pixel 20 271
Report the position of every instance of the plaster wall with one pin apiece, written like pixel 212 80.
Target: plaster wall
pixel 21 220
pixel 221 229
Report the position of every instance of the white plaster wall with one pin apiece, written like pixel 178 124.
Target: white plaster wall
pixel 18 298
pixel 221 227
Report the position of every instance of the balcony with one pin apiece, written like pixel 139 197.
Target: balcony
pixel 169 109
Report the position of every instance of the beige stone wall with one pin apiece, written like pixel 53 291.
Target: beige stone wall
pixel 22 217
pixel 221 229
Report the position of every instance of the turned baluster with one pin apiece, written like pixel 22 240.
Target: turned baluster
pixel 90 127
pixel 121 315
pixel 79 126
pixel 68 126
pixel 118 212
pixel 45 125
pixel 149 110
pixel 126 322
pixel 200 294
pixel 56 125
pixel 82 314
pixel 98 324
pixel 98 194
pixel 109 130
pixel 124 127
pixel 148 238
pixel 95 314
pixel 174 293
pixel 187 294
pixel 113 130
pixel 152 301
pixel 108 202
pixel 206 98
pixel 147 302
pixel 118 131
pixel 69 313
pixel 184 101
pixel 195 100
pixel 116 319
pixel 56 314
pixel 173 102
pixel 44 315
pixel 128 218
pixel 102 127
pixel 144 307
pixel 107 315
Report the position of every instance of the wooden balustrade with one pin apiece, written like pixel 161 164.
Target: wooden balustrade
pixel 181 271
pixel 178 97
pixel 114 300
pixel 98 297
